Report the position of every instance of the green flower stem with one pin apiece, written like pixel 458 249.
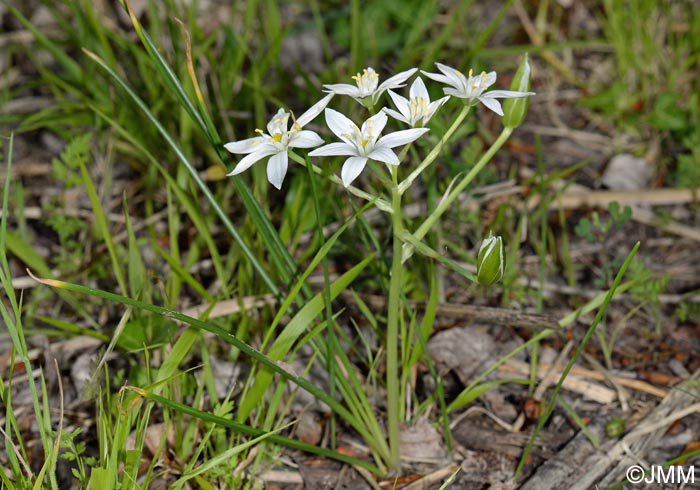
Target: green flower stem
pixel 435 151
pixel 393 399
pixel 378 201
pixel 447 201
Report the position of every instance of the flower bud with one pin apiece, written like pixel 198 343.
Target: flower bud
pixel 490 261
pixel 514 109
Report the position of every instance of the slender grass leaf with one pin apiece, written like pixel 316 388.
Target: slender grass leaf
pixel 251 431
pixel 291 333
pixel 269 282
pixel 226 336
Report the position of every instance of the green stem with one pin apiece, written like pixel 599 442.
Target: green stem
pixel 435 151
pixel 449 198
pixel 378 201
pixel 392 331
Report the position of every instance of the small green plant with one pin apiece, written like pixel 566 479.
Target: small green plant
pixel 596 228
pixel 688 311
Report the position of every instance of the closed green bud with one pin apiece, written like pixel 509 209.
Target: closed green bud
pixel 514 110
pixel 490 261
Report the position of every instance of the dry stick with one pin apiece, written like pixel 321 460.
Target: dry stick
pixel 513 366
pixel 606 466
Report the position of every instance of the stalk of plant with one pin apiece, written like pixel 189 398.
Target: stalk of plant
pixel 393 399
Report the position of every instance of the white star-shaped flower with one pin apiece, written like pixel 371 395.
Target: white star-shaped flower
pixel 277 141
pixel 418 108
pixel 368 89
pixel 473 88
pixel 363 144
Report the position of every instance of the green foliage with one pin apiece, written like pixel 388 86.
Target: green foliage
pixel 688 311
pixel 654 90
pixel 158 99
pixel 596 228
pixel 66 168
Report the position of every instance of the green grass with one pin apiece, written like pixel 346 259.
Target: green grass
pixel 143 107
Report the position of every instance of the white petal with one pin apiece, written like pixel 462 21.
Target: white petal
pixel 506 94
pixel 455 93
pixel 437 77
pixel 334 149
pixel 492 104
pixel 339 124
pixel 396 81
pixel 245 146
pixel 488 79
pixel 457 79
pixel 418 90
pixel 435 105
pixel 305 139
pixel 344 89
pixel 277 169
pixel 384 154
pixel 278 123
pixel 396 115
pixel 352 167
pixel 249 160
pixel 314 110
pixel 399 138
pixel 402 105
pixel 375 125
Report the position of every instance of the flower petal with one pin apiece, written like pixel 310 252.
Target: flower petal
pixel 488 79
pixel 250 159
pixel 437 77
pixel 339 124
pixel 396 81
pixel 401 104
pixel 314 110
pixel 399 138
pixel 374 126
pixel 418 90
pixel 456 77
pixel 277 169
pixel 492 104
pixel 385 155
pixel 344 89
pixel 278 123
pixel 245 146
pixel 396 115
pixel 332 149
pixel 433 107
pixel 352 167
pixel 455 93
pixel 506 94
pixel 304 139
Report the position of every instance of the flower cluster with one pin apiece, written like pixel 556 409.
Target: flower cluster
pixel 364 143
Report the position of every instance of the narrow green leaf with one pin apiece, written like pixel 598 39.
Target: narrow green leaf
pixel 466 397
pixel 221 333
pixel 251 431
pixel 102 227
pixel 269 282
pixel 291 333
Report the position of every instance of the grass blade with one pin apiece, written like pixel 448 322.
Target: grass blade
pixel 251 431
pixel 555 393
pixel 292 332
pixel 269 282
pixel 261 358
